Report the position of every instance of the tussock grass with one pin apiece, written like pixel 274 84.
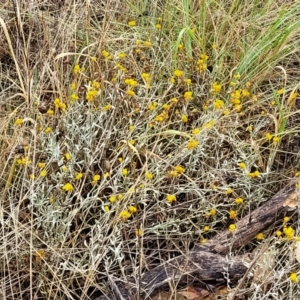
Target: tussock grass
pixel 123 146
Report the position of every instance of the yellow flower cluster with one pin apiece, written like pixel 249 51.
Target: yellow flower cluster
pixel 289 232
pixel 216 88
pixel 124 215
pixel 202 63
pixel 178 73
pixel 78 69
pixel 211 213
pixel 152 105
pixel 68 187
pixel 177 171
pixel 162 117
pixel 131 82
pixel 106 54
pixel 294 277
pixel 188 96
pixel 171 198
pixel 19 122
pixel 239 200
pixel 59 104
pixel 120 67
pixel 254 174
pixel 192 144
pixel 24 161
pixel 218 104
pixel 232 214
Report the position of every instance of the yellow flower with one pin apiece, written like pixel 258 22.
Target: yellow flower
pixel 121 55
pixel 96 177
pixel 79 176
pixel 192 144
pixel 125 172
pixel 68 187
pixel 147 44
pixel 68 156
pixel 188 96
pixel 91 95
pixel 178 73
pixel 171 198
pixel 31 176
pixel 184 118
pixel 206 228
pixel 268 136
pixel 188 81
pixel 124 215
pixel 245 93
pixel 106 208
pixel 229 191
pixel 242 165
pixel 130 127
pixel 172 173
pixel 74 97
pixel 76 69
pixel 196 131
pixel 132 23
pixel 132 209
pixel 232 227
pixel 50 112
pixel 232 214
pixel 152 105
pixel 216 88
pixel 146 76
pixel 41 165
pixel 130 93
pixel 139 232
pixel 289 232
pixel 276 139
pixel 239 200
pixel 48 130
pixel 43 173
pixel 294 277
pixel 260 236
pixel 278 233
pixel 106 54
pixel 286 219
pixel 112 198
pixel 254 174
pixel 120 159
pixel 280 92
pixel 19 122
pixel 179 169
pixel 218 104
pixel 213 212
pixel 149 175
pixel 158 26
pixel 131 82
pixel 166 106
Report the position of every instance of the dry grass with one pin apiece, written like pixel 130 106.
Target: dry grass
pixel 62 235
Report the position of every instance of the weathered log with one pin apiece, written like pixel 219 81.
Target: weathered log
pixel 209 262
